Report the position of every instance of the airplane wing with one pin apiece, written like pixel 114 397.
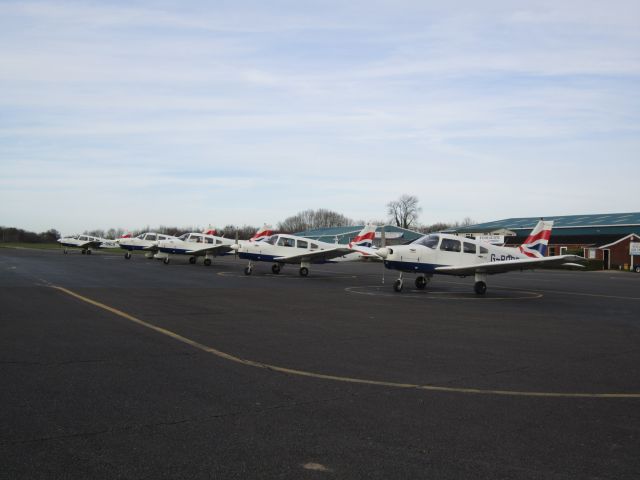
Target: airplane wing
pixel 213 249
pixel 316 256
pixel 512 265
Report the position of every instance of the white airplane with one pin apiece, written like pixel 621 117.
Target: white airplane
pixel 84 242
pixel 281 249
pixel 147 241
pixel 452 255
pixel 206 244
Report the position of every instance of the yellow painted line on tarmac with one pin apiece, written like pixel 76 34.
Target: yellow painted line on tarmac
pixel 337 378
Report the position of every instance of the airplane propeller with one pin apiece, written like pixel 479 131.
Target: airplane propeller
pixel 383 245
pixel 236 246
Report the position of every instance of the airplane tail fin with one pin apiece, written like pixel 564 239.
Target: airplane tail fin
pixel 211 231
pixel 125 235
pixel 365 237
pixel 263 232
pixel 536 243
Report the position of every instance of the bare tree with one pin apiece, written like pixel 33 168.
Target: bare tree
pixel 404 211
pixel 311 219
pixel 435 227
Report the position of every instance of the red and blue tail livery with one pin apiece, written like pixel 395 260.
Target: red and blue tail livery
pixel 365 237
pixel 535 246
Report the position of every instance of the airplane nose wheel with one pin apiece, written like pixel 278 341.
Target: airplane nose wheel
pixel 304 271
pixel 248 269
pixel 127 255
pixel 165 260
pixel 207 262
pixel 192 260
pixel 397 285
pixel 480 288
pixel 275 268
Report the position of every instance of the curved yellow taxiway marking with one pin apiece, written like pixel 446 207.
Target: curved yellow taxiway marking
pixel 303 373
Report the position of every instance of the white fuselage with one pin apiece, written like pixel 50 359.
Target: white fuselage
pixel 145 241
pixel 191 243
pixel 85 242
pixel 438 250
pixel 282 245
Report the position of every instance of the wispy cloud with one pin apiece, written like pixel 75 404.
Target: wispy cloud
pixel 343 105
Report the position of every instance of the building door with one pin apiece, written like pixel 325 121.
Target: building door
pixel 606 262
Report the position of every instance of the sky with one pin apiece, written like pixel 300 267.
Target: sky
pixel 133 113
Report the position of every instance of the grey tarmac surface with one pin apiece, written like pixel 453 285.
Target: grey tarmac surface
pixel 89 393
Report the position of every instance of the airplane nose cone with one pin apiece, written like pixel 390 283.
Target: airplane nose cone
pixel 383 252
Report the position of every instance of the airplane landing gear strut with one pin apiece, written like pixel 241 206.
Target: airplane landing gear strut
pixel 248 269
pixel 397 285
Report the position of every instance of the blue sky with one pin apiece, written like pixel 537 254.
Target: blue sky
pixel 126 114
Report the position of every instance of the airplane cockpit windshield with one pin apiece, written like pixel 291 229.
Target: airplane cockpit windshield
pixel 183 237
pixel 272 239
pixel 141 236
pixel 430 241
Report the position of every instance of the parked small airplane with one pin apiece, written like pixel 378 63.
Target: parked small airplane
pixel 147 241
pixel 452 255
pixel 84 242
pixel 207 244
pixel 281 249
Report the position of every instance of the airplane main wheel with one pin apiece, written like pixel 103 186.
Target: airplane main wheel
pixel 84 252
pixel 247 270
pixel 192 260
pixel 207 262
pixel 88 252
pixel 275 268
pixel 304 271
pixel 421 283
pixel 397 285
pixel 127 255
pixel 165 260
pixel 65 251
pixel 637 269
pixel 480 288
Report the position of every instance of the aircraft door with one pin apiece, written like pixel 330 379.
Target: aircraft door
pixel 450 252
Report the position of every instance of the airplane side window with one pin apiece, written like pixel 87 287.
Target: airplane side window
pixel 209 240
pixel 151 236
pixel 483 250
pixel 302 244
pixel 82 238
pixel 450 245
pixel 469 247
pixel 314 246
pixel 218 242
pixel 286 242
pixel 271 240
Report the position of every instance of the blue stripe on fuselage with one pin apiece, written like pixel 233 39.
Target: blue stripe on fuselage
pixel 177 251
pixel 411 266
pixel 260 257
pixel 131 248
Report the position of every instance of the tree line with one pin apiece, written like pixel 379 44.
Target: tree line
pixel 403 212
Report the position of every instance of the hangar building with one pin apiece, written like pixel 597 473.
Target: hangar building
pixel 343 235
pixel 610 237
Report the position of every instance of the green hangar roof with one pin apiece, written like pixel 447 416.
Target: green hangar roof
pixel 565 225
pixel 344 234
